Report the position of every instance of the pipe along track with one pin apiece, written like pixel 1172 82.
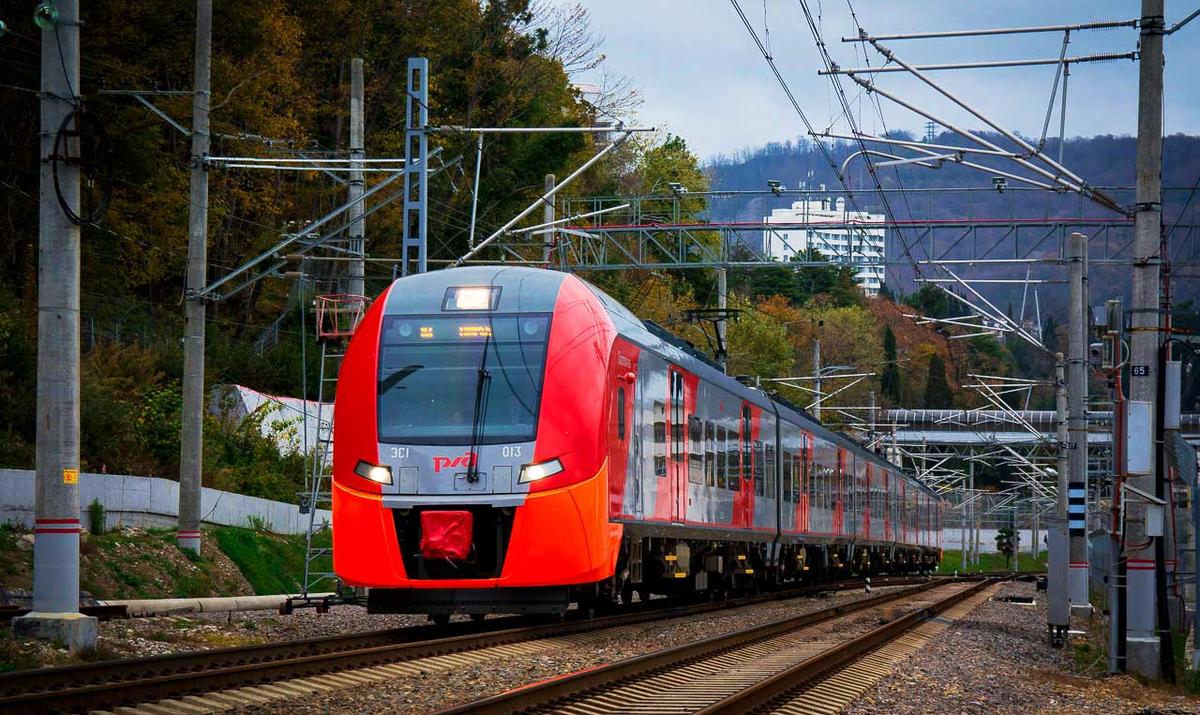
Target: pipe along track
pixel 752 669
pixel 106 684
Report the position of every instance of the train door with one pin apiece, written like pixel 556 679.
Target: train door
pixel 743 502
pixel 677 470
pixel 840 493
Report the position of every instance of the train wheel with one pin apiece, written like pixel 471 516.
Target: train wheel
pixel 478 617
pixel 439 619
pixel 626 593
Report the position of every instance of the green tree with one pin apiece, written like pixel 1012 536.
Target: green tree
pixel 1006 544
pixel 937 389
pixel 889 382
pixel 931 301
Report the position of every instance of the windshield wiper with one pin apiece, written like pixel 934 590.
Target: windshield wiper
pixel 483 383
pixel 389 382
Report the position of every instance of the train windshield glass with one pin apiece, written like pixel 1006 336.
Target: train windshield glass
pixel 442 378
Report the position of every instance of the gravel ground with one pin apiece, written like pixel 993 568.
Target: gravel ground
pixel 141 637
pixel 441 688
pixel 996 660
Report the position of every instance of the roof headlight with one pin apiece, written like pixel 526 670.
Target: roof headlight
pixel 374 472
pixel 534 472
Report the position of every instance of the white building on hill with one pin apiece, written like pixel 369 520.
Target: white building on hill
pixel 844 242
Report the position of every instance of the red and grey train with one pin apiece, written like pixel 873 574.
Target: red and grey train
pixel 513 440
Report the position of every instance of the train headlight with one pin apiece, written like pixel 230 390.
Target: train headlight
pixel 374 472
pixel 534 472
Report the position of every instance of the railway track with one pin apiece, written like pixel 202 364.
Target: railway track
pixel 762 668
pixel 97 686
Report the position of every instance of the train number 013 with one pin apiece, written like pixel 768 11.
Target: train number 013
pixel 509 450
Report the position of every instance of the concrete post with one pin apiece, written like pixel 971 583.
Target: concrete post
pixel 1142 652
pixel 355 284
pixel 55 614
pixel 1058 616
pixel 1077 446
pixel 547 217
pixel 192 418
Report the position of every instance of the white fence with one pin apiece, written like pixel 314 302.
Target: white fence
pixel 151 502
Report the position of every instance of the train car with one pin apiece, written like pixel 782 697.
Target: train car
pixel 514 440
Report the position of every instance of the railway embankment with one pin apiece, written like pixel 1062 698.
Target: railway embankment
pixel 137 563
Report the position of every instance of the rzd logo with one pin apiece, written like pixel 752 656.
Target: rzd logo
pixel 466 461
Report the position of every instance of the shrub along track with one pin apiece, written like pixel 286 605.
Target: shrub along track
pixel 752 669
pixel 108 684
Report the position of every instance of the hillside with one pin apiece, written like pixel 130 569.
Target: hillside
pixel 1104 161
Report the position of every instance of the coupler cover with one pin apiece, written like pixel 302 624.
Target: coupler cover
pixel 446 534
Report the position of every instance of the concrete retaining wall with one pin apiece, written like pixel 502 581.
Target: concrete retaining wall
pixel 151 502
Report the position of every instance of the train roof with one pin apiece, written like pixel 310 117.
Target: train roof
pixel 525 289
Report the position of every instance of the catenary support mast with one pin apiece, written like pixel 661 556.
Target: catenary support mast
pixel 354 285
pixel 192 418
pixel 55 614
pixel 1142 640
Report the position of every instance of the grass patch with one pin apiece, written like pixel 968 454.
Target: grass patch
pixel 270 562
pixel 952 561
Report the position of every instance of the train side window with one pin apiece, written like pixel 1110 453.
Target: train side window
pixel 770 468
pixel 660 439
pixel 722 457
pixel 621 413
pixel 759 460
pixel 787 477
pixel 695 450
pixel 710 462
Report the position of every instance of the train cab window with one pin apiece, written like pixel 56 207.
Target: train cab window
pixel 432 378
pixel 621 413
pixel 710 461
pixel 660 439
pixel 695 450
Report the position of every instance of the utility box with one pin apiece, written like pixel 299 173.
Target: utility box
pixel 1154 520
pixel 1139 437
pixel 1172 393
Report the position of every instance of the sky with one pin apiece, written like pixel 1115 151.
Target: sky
pixel 702 77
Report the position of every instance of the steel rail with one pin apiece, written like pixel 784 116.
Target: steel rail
pixel 547 693
pixel 820 666
pixel 91 686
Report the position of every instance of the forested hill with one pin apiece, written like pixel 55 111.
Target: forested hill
pixel 1103 161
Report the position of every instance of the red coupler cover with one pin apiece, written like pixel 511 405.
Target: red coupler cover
pixel 446 534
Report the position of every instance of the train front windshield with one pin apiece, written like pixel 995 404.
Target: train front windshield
pixel 443 380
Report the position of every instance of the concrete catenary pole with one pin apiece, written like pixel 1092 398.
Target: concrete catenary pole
pixel 548 217
pixel 55 614
pixel 1058 612
pixel 354 286
pixel 1142 651
pixel 1077 445
pixel 192 418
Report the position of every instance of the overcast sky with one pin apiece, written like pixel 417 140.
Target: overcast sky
pixel 702 77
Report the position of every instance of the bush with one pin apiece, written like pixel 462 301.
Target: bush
pixel 96 517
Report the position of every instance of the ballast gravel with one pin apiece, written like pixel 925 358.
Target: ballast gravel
pixel 996 660
pixel 434 690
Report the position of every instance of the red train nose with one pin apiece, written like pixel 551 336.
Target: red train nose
pixel 446 534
